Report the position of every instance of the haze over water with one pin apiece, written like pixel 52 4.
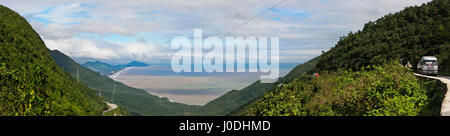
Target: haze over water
pixel 194 88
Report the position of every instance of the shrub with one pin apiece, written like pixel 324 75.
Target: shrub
pixel 386 90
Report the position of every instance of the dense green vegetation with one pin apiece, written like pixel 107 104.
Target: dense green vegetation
pixel 356 78
pixel 31 83
pixel 108 69
pixel 435 91
pixel 389 89
pixel 408 35
pixel 236 99
pixel 137 101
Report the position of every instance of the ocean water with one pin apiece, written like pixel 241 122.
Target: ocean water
pixel 194 88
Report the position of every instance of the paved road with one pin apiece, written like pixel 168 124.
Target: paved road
pixel 111 106
pixel 445 109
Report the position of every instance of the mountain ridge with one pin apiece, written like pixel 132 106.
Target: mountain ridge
pixel 31 82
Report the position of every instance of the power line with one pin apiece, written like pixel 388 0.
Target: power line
pixel 254 4
pixel 250 19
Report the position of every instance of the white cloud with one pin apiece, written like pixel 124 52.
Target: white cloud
pixel 323 24
pixel 97 49
pixel 77 47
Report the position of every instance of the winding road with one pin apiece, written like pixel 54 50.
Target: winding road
pixel 445 109
pixel 115 75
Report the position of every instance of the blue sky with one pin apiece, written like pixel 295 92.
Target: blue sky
pixel 121 31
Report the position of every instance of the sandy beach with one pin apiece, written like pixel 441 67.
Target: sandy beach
pixel 115 75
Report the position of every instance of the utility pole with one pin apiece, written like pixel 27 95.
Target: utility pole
pixel 78 74
pixel 114 91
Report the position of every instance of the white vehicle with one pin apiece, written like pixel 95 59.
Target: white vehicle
pixel 428 65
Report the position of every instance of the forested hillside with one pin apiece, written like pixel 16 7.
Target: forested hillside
pixel 134 100
pixel 389 89
pixel 362 74
pixel 31 83
pixel 407 35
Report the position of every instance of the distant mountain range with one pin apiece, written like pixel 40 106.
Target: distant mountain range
pixel 108 69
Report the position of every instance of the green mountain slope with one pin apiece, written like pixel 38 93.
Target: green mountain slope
pixel 351 84
pixel 408 35
pixel 235 99
pixel 389 89
pixel 31 83
pixel 133 100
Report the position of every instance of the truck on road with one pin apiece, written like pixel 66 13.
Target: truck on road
pixel 428 65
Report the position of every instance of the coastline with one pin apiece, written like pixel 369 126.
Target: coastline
pixel 191 90
pixel 115 75
pixel 189 99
